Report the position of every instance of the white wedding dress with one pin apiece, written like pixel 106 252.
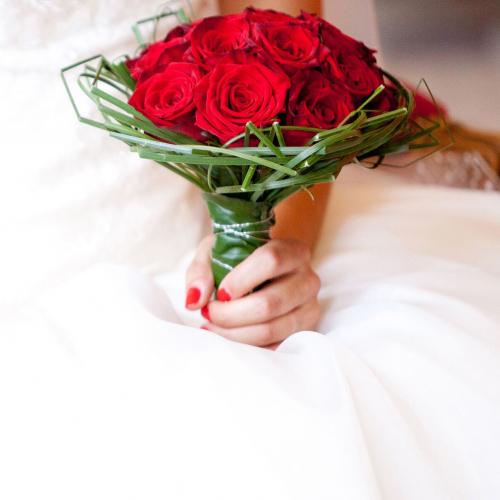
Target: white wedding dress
pixel 109 390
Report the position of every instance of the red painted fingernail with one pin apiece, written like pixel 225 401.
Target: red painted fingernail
pixel 205 313
pixel 192 296
pixel 222 295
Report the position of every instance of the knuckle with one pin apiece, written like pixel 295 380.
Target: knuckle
pixel 204 246
pixel 273 258
pixel 203 250
pixel 267 305
pixel 314 313
pixel 266 334
pixel 207 241
pixel 219 316
pixel 294 322
pixel 315 282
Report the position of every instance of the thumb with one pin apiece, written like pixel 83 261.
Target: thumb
pixel 199 278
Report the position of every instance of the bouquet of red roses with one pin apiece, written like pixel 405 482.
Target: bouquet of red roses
pixel 251 108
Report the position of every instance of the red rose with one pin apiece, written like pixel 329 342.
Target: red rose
pixel 293 44
pixel 215 37
pixel 157 57
pixel 166 98
pixel 181 31
pixel 234 94
pixel 266 16
pixel 386 101
pixel 359 78
pixel 316 102
pixel 250 56
pixel 338 42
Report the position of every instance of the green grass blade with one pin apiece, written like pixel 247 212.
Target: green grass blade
pixel 264 139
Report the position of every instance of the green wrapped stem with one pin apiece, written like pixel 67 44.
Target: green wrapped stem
pixel 240 227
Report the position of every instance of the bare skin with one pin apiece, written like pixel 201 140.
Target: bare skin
pixel 288 302
pixel 292 7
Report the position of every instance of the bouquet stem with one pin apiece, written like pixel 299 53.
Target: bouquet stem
pixel 240 227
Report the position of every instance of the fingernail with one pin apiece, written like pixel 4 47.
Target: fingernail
pixel 203 327
pixel 205 313
pixel 222 295
pixel 192 296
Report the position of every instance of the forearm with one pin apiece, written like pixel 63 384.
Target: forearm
pixel 300 217
pixel 290 6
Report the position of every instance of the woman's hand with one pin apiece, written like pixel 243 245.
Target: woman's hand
pixel 285 304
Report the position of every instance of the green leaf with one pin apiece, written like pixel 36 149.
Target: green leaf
pixel 263 139
pixel 248 178
pixel 141 121
pixel 121 70
pixel 295 181
pixel 228 152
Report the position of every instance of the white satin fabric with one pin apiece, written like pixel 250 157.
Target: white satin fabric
pixel 107 394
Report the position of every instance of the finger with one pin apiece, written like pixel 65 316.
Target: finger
pixel 304 317
pixel 273 259
pixel 199 278
pixel 273 347
pixel 279 297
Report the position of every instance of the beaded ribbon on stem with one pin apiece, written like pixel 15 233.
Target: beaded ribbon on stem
pixel 240 227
